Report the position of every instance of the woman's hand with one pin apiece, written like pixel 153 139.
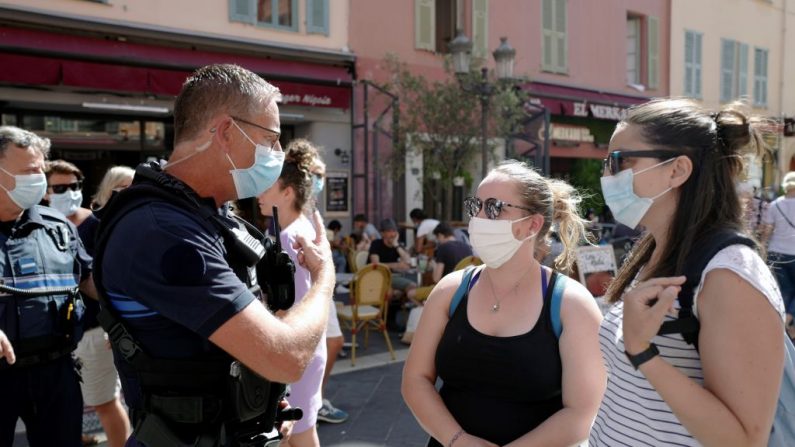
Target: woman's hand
pixel 285 427
pixel 645 308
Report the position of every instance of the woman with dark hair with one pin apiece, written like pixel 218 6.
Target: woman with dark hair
pixel 292 195
pixel 672 168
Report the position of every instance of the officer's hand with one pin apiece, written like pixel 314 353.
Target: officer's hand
pixel 6 350
pixel 285 427
pixel 315 255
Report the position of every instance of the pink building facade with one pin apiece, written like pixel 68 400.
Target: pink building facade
pixel 585 61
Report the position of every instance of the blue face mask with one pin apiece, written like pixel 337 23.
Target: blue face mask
pixel 627 207
pixel 29 189
pixel 317 184
pixel 267 167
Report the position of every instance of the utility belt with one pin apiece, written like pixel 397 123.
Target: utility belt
pixel 42 324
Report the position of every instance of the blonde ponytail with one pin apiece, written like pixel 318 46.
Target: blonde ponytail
pixel 571 227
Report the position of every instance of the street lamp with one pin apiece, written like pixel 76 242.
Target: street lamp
pixel 504 56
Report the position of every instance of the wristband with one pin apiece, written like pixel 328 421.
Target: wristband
pixel 455 437
pixel 644 356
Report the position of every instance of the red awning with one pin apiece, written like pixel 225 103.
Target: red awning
pixel 562 100
pixel 108 65
pixel 126 53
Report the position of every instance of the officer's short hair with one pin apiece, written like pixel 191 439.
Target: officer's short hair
pixel 218 88
pixel 63 167
pixel 23 138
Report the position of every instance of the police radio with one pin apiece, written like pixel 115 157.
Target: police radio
pixel 276 270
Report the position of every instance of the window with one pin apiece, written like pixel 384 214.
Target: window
pixel 693 64
pixel 733 70
pixel 273 13
pixel 643 51
pixel 760 77
pixel 434 24
pixel 553 24
pixel 633 51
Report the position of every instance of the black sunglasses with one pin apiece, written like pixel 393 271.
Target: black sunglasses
pixel 60 189
pixel 276 135
pixel 612 163
pixel 494 207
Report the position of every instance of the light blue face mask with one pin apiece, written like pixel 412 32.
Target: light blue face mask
pixel 317 184
pixel 29 189
pixel 627 207
pixel 267 167
pixel 67 202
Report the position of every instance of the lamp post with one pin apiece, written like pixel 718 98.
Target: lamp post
pixel 504 56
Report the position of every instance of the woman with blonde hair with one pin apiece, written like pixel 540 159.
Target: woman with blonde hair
pixel 671 168
pixel 517 368
pixel 116 179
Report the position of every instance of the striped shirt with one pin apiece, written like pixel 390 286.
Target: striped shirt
pixel 632 412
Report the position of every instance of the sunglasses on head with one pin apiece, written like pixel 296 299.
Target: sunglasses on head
pixel 493 207
pixel 612 163
pixel 60 189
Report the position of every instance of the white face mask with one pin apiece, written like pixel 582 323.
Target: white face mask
pixel 627 207
pixel 493 241
pixel 67 202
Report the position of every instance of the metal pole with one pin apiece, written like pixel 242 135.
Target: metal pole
pixel 484 121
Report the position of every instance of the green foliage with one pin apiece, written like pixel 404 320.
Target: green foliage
pixel 585 175
pixel 442 121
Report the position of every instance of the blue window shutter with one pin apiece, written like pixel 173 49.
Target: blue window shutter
pixel 317 16
pixel 689 68
pixel 742 87
pixel 243 11
pixel 727 70
pixel 697 66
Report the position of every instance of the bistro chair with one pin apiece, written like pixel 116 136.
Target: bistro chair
pixel 466 262
pixel 369 304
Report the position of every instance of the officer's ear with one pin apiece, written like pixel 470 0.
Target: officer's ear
pixel 224 131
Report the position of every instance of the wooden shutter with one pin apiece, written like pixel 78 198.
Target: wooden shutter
pixel 653 42
pixel 243 11
pixel 561 47
pixel 480 28
pixel 742 78
pixel 697 65
pixel 690 50
pixel 726 70
pixel 317 16
pixel 425 24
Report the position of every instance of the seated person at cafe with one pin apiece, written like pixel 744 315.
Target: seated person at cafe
pixel 339 248
pixel 424 239
pixel 449 252
pixel 387 251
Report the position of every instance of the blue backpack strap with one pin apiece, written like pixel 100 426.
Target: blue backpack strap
pixel 462 289
pixel 559 284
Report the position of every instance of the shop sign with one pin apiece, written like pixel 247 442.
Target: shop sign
pixel 314 95
pixel 603 112
pixel 564 132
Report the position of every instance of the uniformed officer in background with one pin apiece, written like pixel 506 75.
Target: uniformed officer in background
pixel 42 262
pixel 173 277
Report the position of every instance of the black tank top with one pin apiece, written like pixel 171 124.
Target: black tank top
pixel 499 388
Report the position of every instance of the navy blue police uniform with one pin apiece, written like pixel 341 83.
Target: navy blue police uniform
pixel 42 258
pixel 166 275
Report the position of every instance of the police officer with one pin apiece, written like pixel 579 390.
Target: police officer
pixel 170 273
pixel 42 262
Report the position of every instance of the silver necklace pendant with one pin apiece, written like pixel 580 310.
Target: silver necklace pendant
pixel 495 307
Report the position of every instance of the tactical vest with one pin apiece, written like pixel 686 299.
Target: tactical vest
pixel 41 311
pixel 197 401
